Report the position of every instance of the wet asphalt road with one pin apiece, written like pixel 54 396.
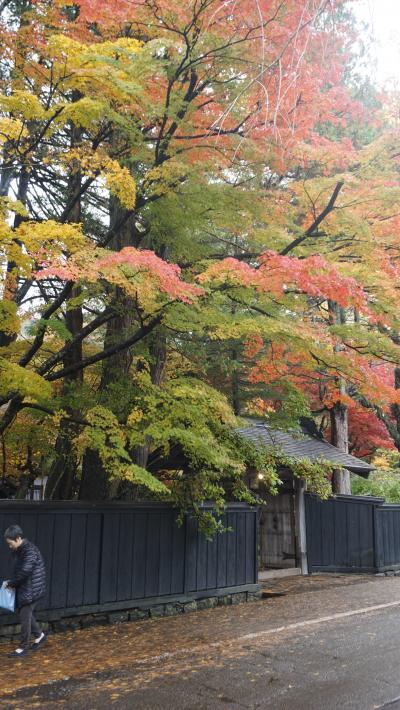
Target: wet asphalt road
pixel 351 662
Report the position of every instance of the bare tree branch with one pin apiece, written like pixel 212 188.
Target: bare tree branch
pixel 314 226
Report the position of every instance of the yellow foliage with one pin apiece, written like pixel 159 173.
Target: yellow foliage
pixel 9 205
pixel 24 103
pixel 124 45
pixel 11 129
pixel 83 112
pixel 41 242
pixel 84 67
pixel 117 178
pixel 9 321
pixel 51 237
pixel 72 50
pixel 120 182
pixel 162 179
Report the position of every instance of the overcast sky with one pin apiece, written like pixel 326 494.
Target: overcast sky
pixel 383 17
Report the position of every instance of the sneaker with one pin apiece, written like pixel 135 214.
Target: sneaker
pixel 18 653
pixel 38 644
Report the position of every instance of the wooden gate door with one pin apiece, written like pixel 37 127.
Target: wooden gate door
pixel 277 533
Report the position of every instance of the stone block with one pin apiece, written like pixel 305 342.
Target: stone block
pixel 6 630
pixel 74 625
pixel 239 598
pixel 138 614
pixel 208 603
pixel 226 600
pixel 157 610
pixel 93 620
pixel 118 617
pixel 254 596
pixel 189 607
pixel 173 609
pixel 60 626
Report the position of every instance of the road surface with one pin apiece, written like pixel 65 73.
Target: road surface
pixel 329 649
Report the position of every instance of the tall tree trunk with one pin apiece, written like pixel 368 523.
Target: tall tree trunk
pixel 339 415
pixel 61 478
pixel 340 438
pixel 63 471
pixel 94 482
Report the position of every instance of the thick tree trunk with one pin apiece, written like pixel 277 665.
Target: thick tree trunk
pixel 60 484
pixel 339 415
pixel 340 439
pixel 94 482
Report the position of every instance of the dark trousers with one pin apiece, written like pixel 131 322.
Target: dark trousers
pixel 28 624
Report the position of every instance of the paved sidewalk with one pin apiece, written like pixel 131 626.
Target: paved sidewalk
pixel 298 584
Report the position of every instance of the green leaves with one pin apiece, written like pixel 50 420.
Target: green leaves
pixel 108 438
pixel 16 379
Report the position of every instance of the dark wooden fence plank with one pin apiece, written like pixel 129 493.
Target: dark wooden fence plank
pixel 109 558
pixel 125 551
pixel 45 542
pixel 166 554
pixel 152 555
pixel 222 559
pixel 178 557
pixel 93 553
pixel 387 537
pixel 231 550
pixel 367 538
pixel 76 571
pixel 327 545
pixel 212 561
pixel 251 548
pixel 190 554
pixel 60 560
pixel 112 554
pixel 201 566
pixel 339 535
pixel 240 548
pixel 365 533
pixel 139 556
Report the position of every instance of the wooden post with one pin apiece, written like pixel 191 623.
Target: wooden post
pixel 301 537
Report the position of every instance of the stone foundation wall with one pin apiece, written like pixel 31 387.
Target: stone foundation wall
pixel 84 621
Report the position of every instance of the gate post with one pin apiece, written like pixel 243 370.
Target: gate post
pixel 301 532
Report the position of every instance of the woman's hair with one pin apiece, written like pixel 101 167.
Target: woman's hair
pixel 12 532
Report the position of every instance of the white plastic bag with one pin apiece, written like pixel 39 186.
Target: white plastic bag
pixel 7 598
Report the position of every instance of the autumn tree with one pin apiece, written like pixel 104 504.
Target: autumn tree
pixel 174 223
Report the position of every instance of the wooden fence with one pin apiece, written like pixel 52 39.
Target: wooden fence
pixel 352 534
pixel 112 556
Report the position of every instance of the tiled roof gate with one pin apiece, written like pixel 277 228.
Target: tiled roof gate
pixel 302 446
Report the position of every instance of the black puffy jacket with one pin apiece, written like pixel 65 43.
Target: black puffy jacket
pixel 29 577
